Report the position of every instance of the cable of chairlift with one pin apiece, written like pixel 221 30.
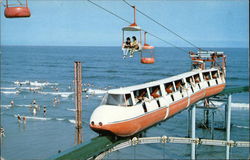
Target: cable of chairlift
pixel 182 49
pixel 164 26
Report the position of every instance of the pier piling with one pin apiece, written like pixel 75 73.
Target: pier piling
pixel 78 100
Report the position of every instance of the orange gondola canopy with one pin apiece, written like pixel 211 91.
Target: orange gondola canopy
pixel 149 51
pixel 17 10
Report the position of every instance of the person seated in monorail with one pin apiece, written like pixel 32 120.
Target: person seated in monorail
pixel 155 93
pixel 214 75
pixel 169 88
pixel 206 77
pixel 196 79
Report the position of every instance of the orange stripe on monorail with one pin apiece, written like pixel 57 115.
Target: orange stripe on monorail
pixel 177 107
pixel 130 127
pixel 214 90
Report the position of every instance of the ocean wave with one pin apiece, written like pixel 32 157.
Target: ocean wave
pixel 71 109
pixel 5 106
pixel 245 127
pixel 30 88
pixel 21 82
pixel 10 92
pixel 62 94
pixel 72 121
pixel 233 105
pixel 35 118
pixel 95 91
pixel 8 88
pixel 34 83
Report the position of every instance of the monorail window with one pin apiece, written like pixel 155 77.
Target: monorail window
pixel 214 74
pixel 155 91
pixel 114 99
pixel 206 75
pixel 128 100
pixel 141 95
pixel 169 87
pixel 179 85
pixel 197 78
pixel 190 81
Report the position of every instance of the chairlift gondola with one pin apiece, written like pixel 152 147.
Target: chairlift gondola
pixel 17 10
pixel 133 30
pixel 149 51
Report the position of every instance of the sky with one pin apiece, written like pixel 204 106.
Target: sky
pixel 205 23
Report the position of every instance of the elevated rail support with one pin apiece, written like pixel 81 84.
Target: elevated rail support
pixel 228 111
pixel 193 109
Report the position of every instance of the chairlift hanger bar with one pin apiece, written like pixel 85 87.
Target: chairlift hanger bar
pixel 182 49
pixel 164 26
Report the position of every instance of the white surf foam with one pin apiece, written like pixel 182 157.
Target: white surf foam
pixel 8 88
pixel 245 127
pixel 40 84
pixel 62 94
pixel 36 118
pixel 21 82
pixel 72 121
pixel 10 92
pixel 233 105
pixel 60 119
pixel 5 106
pixel 71 109
pixel 30 88
pixel 95 91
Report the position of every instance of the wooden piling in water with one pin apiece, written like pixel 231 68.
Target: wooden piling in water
pixel 78 101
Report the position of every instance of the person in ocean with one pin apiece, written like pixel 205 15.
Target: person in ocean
pixel 126 47
pixel 19 118
pixel 24 119
pixel 34 111
pixel 44 110
pixel 12 103
pixel 34 102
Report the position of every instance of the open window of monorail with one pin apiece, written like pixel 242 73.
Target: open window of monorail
pixel 141 95
pixel 155 91
pixel 206 75
pixel 169 87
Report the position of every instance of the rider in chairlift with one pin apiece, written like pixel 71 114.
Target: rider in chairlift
pixel 127 47
pixel 134 46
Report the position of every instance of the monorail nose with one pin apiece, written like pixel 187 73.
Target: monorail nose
pixel 100 117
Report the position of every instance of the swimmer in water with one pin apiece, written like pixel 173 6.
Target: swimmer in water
pixel 24 119
pixel 19 118
pixel 44 110
pixel 12 103
pixel 33 102
pixel 34 111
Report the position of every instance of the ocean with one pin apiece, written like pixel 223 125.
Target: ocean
pixel 45 74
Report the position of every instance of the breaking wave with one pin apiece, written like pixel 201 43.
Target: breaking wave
pixel 62 94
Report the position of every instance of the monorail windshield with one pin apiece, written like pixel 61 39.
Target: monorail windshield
pixel 114 99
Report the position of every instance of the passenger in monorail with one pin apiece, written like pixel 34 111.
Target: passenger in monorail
pixel 197 78
pixel 155 92
pixel 214 75
pixel 140 95
pixel 169 88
